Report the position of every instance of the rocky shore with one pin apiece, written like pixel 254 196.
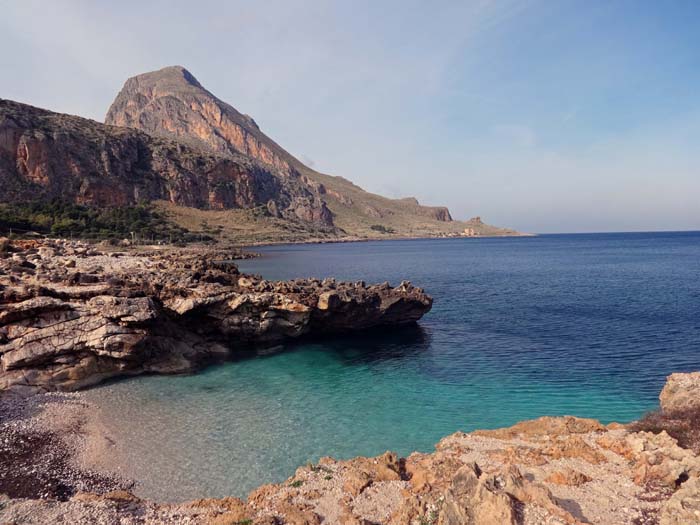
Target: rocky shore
pixel 72 315
pixel 552 470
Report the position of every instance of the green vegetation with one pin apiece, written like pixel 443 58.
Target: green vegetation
pixel 226 520
pixel 430 519
pixel 317 468
pixel 64 219
pixel 383 229
pixel 297 483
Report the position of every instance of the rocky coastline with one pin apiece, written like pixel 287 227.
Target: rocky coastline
pixel 552 470
pixel 72 315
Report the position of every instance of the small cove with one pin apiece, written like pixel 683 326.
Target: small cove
pixel 588 325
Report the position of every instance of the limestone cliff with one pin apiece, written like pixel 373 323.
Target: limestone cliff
pixel 46 155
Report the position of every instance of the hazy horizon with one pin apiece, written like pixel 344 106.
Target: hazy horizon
pixel 568 117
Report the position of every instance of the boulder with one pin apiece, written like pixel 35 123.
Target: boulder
pixel 681 392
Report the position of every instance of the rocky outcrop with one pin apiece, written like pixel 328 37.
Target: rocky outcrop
pixel 441 214
pixel 548 471
pixel 171 102
pixel 45 155
pixel 681 392
pixel 71 316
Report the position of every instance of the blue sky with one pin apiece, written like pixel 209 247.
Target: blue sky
pixel 543 116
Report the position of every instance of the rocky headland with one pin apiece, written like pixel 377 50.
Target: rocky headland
pixel 170 144
pixel 72 315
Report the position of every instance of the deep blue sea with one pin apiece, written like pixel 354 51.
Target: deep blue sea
pixel 587 325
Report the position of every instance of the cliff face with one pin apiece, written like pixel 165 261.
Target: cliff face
pixel 172 103
pixel 46 155
pixel 71 316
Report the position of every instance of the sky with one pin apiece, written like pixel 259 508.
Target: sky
pixel 544 116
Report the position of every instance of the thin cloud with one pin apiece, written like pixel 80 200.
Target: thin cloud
pixel 526 113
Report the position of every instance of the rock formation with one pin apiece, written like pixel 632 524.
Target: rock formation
pixel 681 392
pixel 71 316
pixel 45 155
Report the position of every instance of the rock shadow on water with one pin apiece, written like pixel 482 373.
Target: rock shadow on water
pixel 382 344
pixel 369 346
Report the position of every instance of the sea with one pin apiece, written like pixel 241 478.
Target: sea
pixel 521 327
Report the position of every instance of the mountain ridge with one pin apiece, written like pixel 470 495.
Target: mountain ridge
pixel 172 102
pixel 169 142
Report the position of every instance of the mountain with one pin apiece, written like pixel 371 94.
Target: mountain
pixel 172 103
pixel 171 144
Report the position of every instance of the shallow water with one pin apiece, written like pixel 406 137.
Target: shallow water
pixel 559 324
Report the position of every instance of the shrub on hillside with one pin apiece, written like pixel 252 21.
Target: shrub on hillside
pixel 382 229
pixel 63 219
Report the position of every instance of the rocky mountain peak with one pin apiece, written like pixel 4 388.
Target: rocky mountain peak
pixel 169 81
pixel 172 75
pixel 171 102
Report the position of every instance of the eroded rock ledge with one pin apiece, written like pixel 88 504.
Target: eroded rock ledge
pixel 72 315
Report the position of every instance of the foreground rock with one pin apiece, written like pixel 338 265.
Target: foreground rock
pixel 681 392
pixel 72 316
pixel 552 470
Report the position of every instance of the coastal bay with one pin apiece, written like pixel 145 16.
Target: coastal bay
pixel 494 350
pixel 490 354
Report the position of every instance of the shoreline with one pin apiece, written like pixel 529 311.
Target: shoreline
pixel 42 438
pixel 563 470
pixel 344 240
pixel 61 461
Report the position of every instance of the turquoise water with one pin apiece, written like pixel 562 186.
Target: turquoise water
pixel 573 324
